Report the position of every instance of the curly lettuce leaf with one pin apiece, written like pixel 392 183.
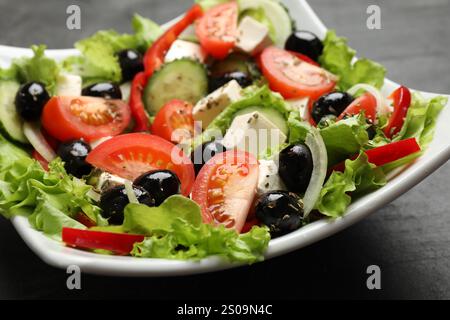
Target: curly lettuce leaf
pixel 175 230
pixel 51 200
pixel 98 60
pixel 345 138
pixel 360 177
pixel 421 119
pixel 37 68
pixel 337 57
pixel 208 4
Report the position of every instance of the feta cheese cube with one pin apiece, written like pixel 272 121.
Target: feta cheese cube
pixel 268 179
pixel 209 107
pixel 300 105
pixel 184 49
pixel 253 133
pixel 253 36
pixel 68 85
pixel 107 181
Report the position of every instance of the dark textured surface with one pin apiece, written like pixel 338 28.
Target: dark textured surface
pixel 409 239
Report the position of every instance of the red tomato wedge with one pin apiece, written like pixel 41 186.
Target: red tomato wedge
pixel 88 118
pixel 304 58
pixel 174 122
pixel 217 29
pixel 386 154
pixel 294 77
pixel 130 155
pixel 366 103
pixel 119 243
pixel 225 188
pixel 402 101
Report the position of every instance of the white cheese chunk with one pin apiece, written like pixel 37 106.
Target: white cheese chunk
pixel 253 36
pixel 107 181
pixel 125 88
pixel 268 179
pixel 68 85
pixel 253 133
pixel 184 49
pixel 209 107
pixel 300 105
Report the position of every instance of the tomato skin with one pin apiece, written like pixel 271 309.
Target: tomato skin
pixel 366 103
pixel 176 114
pixel 293 77
pixel 119 243
pixel 130 155
pixel 237 189
pixel 217 29
pixel 402 101
pixel 61 122
pixel 305 58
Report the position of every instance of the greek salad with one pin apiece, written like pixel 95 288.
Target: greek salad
pixel 227 129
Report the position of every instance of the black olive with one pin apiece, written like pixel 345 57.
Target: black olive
pixel 131 63
pixel 161 184
pixel 30 100
pixel 74 154
pixel 281 211
pixel 331 104
pixel 295 167
pixel 371 131
pixel 306 43
pixel 114 200
pixel 107 90
pixel 244 80
pixel 203 153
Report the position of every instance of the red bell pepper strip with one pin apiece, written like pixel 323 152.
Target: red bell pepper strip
pixel 154 57
pixel 119 243
pixel 141 121
pixel 386 154
pixel 83 218
pixel 402 101
pixel 37 156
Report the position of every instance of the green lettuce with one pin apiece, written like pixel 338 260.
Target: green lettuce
pixel 337 57
pixel 421 119
pixel 51 200
pixel 208 4
pixel 360 177
pixel 98 60
pixel 298 129
pixel 345 138
pixel 37 68
pixel 175 230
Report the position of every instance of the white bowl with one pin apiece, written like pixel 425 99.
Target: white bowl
pixel 56 254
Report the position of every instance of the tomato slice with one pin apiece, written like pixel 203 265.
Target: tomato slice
pixel 217 29
pixel 130 155
pixel 304 58
pixel 174 122
pixel 402 101
pixel 366 103
pixel 88 118
pixel 225 188
pixel 294 77
pixel 119 243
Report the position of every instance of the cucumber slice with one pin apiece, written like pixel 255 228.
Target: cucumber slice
pixel 182 79
pixel 271 114
pixel 10 121
pixel 275 17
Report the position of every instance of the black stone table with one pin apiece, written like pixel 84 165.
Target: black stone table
pixel 409 239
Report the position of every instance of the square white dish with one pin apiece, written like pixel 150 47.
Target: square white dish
pixel 60 256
